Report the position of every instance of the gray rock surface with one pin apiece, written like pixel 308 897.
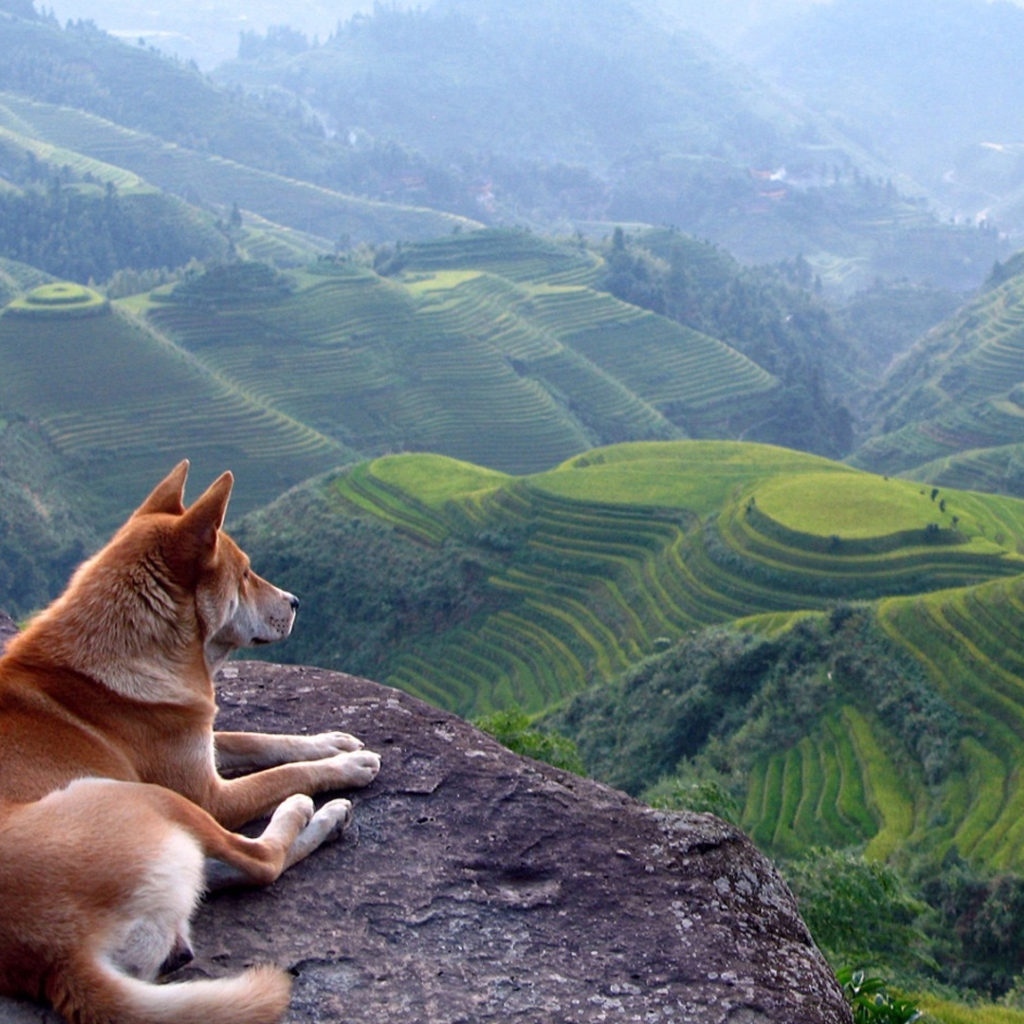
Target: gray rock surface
pixel 477 886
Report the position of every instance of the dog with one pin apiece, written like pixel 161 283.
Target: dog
pixel 112 804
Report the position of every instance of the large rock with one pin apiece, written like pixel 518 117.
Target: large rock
pixel 479 886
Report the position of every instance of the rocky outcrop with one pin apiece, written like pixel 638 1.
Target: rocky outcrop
pixel 478 886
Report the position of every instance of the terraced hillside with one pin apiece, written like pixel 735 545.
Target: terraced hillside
pixel 850 779
pixel 16 278
pixel 593 565
pixel 121 405
pixel 518 368
pixel 969 641
pixel 516 255
pixel 207 179
pixel 572 576
pixel 510 367
pixel 952 412
pixel 256 238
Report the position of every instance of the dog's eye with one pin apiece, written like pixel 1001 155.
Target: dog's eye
pixel 245 575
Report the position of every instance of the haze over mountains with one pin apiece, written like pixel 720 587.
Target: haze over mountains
pixel 654 367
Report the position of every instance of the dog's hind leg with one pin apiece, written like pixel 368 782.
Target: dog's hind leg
pixel 322 826
pixel 98 882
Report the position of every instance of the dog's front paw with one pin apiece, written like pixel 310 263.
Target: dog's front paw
pixel 354 769
pixel 327 744
pixel 335 816
pixel 298 806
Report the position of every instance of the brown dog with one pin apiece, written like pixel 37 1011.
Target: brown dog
pixel 110 795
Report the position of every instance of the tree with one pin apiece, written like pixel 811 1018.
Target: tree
pixel 858 911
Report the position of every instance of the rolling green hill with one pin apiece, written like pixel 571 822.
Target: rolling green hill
pixel 488 347
pixel 82 67
pixel 900 728
pixel 950 411
pixel 43 535
pixel 203 177
pixel 120 404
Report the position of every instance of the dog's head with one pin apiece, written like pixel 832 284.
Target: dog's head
pixel 234 607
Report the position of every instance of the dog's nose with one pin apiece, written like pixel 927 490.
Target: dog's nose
pixel 294 602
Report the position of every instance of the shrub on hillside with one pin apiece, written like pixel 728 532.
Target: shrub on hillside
pixel 859 912
pixel 513 729
pixel 978 931
pixel 698 794
pixel 720 700
pixel 233 284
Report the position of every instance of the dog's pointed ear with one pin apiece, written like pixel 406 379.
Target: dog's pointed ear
pixel 168 495
pixel 205 517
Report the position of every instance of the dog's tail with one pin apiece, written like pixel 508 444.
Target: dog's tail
pixel 100 994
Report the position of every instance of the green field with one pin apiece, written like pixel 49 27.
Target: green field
pixel 320 212
pixel 62 300
pixel 122 405
pixel 586 569
pixel 625 545
pixel 500 369
pixel 952 412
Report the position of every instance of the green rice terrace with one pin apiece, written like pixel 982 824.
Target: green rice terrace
pixel 591 568
pixel 518 367
pixel 517 370
pixel 956 400
pixel 61 300
pixel 121 405
pixel 299 205
pixel 258 238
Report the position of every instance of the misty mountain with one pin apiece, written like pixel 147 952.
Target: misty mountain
pixel 595 83
pixel 83 67
pixel 594 113
pixel 932 86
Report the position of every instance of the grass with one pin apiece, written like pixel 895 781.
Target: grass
pixel 121 405
pixel 945 1011
pixel 517 255
pixel 847 506
pixel 819 792
pixel 700 476
pixel 606 554
pixel 886 790
pixel 987 782
pixel 61 300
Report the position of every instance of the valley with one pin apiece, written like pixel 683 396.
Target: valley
pixel 675 417
pixel 564 579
